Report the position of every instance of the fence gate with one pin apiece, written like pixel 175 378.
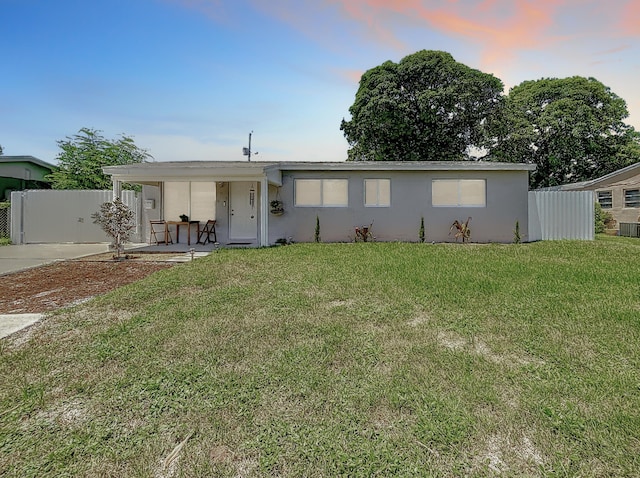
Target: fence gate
pixel 556 215
pixel 58 216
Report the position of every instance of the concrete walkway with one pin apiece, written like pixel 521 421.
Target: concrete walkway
pixel 10 323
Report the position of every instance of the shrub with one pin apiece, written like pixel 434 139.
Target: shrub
pixel 602 218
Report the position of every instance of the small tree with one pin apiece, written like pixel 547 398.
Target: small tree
pixel 116 219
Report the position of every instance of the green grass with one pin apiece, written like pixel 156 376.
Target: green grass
pixel 322 360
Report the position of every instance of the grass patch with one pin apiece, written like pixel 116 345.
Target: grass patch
pixel 340 360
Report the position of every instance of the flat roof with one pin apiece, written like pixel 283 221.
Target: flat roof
pixel 246 166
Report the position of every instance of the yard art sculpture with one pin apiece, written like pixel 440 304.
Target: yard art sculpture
pixel 462 230
pixel 364 234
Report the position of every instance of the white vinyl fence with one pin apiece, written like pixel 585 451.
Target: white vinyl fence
pixel 556 215
pixel 58 216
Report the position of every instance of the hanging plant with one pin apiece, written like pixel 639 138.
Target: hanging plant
pixel 277 207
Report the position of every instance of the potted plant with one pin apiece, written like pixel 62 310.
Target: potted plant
pixel 277 207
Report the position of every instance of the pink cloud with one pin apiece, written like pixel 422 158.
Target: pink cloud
pixel 630 18
pixel 352 76
pixel 500 28
pixel 611 51
pixel 502 23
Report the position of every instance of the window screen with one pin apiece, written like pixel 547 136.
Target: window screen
pixel 322 192
pixel 458 192
pixel 195 199
pixel 377 192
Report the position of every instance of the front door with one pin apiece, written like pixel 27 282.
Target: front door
pixel 243 210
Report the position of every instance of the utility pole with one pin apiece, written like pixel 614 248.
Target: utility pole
pixel 247 151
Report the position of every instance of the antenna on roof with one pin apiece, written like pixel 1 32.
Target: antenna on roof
pixel 247 151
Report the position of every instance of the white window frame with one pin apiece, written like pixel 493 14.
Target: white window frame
pixel 379 199
pixel 628 194
pixel 454 197
pixel 324 189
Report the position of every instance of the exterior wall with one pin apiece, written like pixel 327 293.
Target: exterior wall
pixel 17 176
pixel 506 203
pixel 618 211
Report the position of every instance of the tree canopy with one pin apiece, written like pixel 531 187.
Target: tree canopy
pixel 571 128
pixel 84 155
pixel 426 107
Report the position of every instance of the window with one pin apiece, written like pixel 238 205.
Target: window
pixel 458 192
pixel 632 198
pixel 195 199
pixel 322 192
pixel 377 192
pixel 605 199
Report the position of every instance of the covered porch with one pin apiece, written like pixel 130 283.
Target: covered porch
pixel 185 195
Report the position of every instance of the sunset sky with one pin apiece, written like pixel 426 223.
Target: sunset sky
pixel 189 79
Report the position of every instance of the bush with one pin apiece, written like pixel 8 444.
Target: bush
pixel 602 218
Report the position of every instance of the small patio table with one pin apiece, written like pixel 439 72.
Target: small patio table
pixel 184 223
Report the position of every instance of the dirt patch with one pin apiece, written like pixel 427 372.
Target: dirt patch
pixel 61 284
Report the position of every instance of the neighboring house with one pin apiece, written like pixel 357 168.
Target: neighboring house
pixel 18 173
pixel 617 192
pixel 394 196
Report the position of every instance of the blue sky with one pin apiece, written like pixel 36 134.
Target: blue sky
pixel 189 79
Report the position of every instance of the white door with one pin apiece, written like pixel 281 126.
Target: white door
pixel 243 210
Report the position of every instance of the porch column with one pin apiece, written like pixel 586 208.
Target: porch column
pixel 117 189
pixel 264 212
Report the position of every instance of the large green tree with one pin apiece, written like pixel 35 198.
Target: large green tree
pixel 427 107
pixel 572 129
pixel 84 155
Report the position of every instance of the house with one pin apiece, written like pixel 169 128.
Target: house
pixel 393 196
pixel 617 192
pixel 18 173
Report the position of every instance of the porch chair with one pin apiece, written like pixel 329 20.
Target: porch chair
pixel 159 233
pixel 206 232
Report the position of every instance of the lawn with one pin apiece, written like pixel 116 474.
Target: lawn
pixel 323 360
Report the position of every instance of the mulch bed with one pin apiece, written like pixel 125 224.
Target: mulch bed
pixel 61 284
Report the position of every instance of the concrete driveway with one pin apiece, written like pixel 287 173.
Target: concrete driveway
pixel 16 258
